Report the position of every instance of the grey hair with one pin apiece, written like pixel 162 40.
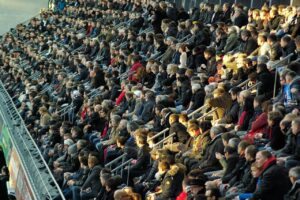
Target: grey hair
pixel 216 130
pixel 82 143
pixel 234 142
pixel 209 88
pixel 295 172
pixel 196 87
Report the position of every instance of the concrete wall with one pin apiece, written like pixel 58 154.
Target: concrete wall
pixel 13 12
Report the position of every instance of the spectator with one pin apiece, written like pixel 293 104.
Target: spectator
pixel 294 178
pixel 273 178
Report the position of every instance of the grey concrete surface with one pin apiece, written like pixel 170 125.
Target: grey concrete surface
pixel 13 12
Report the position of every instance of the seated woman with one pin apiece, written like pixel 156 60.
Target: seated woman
pixel 255 171
pixel 259 121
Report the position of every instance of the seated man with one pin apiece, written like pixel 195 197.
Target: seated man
pixel 139 166
pixel 91 185
pixel 121 149
pixel 209 161
pixel 294 192
pixel 274 178
pixel 170 186
pixel 78 177
pixel 293 158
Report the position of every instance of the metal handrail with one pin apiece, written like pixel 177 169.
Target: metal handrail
pixel 275 66
pixel 206 114
pixel 67 110
pixel 190 39
pixel 282 61
pixel 158 134
pixel 255 85
pixel 122 165
pixel 197 110
pixel 155 55
pixel 163 140
pixel 184 38
pixel 297 60
pixel 243 83
pixel 17 122
pixel 115 160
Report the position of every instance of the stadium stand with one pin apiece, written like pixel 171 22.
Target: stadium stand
pixel 144 100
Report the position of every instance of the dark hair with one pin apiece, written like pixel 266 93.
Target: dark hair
pixel 259 100
pixel 227 136
pixel 244 144
pixel 83 159
pixel 252 150
pixel 235 90
pixel 122 140
pixel 275 117
pixel 230 150
pixel 246 33
pixel 286 38
pixel 248 104
pixel 272 37
pixel 262 66
pixel 210 51
pixel 114 182
pixel 292 74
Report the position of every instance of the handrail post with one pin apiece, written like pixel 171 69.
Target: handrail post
pixel 275 81
pixel 123 159
pixel 128 172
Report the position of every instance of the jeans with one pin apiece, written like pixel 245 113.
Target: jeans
pixel 75 192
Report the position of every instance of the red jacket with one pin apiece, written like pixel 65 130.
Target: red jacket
pixel 133 70
pixel 258 126
pixel 120 97
pixel 182 196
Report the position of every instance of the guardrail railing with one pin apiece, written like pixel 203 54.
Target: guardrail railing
pixel 40 178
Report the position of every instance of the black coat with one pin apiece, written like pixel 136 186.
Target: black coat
pixel 209 159
pixel 98 80
pixel 249 46
pixel 235 174
pixel 231 164
pixel 211 67
pixel 216 17
pixel 290 48
pixel 181 134
pixel 294 193
pixel 295 147
pixel 295 28
pixel 198 99
pixel 277 140
pixel 143 159
pixel 274 23
pixel 93 180
pixel 241 20
pixel 171 184
pixel 275 52
pixel 221 43
pixel 195 61
pixel 147 113
pixel 231 116
pixel 267 80
pixel 3 187
pixel 2 159
pixel 226 16
pixel 274 183
pixel 243 176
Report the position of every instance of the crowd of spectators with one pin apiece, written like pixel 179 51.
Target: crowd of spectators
pixel 95 80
